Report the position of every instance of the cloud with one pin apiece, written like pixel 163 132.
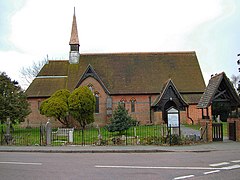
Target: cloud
pixel 7 10
pixel 11 61
pixel 43 27
pixel 212 41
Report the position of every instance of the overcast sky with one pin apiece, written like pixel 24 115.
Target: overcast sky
pixel 32 29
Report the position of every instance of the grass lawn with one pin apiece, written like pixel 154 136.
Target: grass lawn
pixel 144 134
pixel 31 136
pixel 225 130
pixel 22 136
pixel 90 136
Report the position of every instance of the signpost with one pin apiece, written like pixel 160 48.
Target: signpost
pixel 174 120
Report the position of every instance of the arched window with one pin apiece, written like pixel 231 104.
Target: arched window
pixel 123 102
pixel 97 102
pixel 133 103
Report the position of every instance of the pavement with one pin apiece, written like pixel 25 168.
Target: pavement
pixel 226 145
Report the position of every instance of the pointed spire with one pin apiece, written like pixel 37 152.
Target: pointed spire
pixel 74 34
pixel 74 54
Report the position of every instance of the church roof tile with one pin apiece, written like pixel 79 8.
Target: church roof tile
pixel 126 73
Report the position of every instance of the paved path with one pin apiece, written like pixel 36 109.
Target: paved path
pixel 189 131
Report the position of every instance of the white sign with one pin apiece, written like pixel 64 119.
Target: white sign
pixel 173 120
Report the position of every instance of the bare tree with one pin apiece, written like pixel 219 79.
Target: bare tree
pixel 29 73
pixel 235 79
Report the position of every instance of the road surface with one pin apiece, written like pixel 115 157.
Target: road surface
pixel 141 166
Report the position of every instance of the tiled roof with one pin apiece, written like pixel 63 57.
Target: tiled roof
pixel 213 87
pixel 42 87
pixel 128 73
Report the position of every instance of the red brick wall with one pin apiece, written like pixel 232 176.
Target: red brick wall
pixel 141 114
pixel 142 109
pixel 35 118
pixel 206 129
pixel 101 117
pixel 237 121
pixel 194 113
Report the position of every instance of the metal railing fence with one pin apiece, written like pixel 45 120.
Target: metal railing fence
pixel 138 135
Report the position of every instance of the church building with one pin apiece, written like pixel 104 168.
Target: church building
pixel 147 84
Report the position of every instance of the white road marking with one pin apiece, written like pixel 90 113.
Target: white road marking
pixel 21 163
pixel 155 167
pixel 171 167
pixel 231 167
pixel 183 177
pixel 211 172
pixel 219 164
pixel 236 161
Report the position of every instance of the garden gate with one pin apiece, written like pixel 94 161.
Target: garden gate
pixel 217 131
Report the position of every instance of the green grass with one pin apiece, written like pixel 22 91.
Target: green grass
pixel 133 134
pixel 225 130
pixel 144 134
pixel 23 136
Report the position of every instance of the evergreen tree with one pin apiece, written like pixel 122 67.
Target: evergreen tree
pixel 13 101
pixel 57 106
pixel 82 105
pixel 120 121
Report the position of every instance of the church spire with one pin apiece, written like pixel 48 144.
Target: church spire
pixel 74 42
pixel 74 35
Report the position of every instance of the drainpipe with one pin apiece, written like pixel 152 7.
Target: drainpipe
pixel 189 116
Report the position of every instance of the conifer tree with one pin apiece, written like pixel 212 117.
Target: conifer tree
pixel 57 106
pixel 13 101
pixel 82 105
pixel 120 121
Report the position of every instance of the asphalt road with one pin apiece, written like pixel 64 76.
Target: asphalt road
pixel 169 165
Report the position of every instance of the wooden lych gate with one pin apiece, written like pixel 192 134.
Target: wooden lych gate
pixel 218 101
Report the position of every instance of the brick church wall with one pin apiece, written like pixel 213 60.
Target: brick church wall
pixel 34 119
pixel 141 113
pixel 101 117
pixel 142 108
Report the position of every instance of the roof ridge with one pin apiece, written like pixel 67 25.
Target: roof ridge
pixel 58 60
pixel 140 53
pixel 217 75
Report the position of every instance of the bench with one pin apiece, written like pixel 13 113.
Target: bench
pixel 62 132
